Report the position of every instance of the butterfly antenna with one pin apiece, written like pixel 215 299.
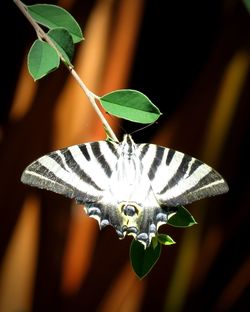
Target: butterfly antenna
pixel 148 125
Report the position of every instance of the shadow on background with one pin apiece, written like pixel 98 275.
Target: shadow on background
pixel 192 60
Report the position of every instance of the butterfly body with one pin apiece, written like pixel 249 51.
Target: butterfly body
pixel 133 187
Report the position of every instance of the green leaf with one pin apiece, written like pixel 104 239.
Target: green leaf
pixel 64 43
pixel 247 4
pixel 165 239
pixel 53 16
pixel 42 59
pixel 182 218
pixel 131 105
pixel 143 260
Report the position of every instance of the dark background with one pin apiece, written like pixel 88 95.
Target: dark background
pixel 183 50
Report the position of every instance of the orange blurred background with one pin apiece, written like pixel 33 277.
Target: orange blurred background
pixel 192 60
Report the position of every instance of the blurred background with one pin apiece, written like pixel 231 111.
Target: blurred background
pixel 191 58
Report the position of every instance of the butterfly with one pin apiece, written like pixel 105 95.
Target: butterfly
pixel 133 187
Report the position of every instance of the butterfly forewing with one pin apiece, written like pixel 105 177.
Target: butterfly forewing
pixel 80 171
pixel 179 179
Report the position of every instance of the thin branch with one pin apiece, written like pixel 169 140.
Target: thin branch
pixel 90 95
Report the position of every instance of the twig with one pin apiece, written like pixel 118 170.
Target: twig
pixel 90 95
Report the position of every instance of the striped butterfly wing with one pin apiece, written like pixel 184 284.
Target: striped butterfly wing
pixel 177 178
pixel 132 187
pixel 79 171
pixel 90 174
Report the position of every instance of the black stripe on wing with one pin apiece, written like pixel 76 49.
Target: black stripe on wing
pixel 75 167
pixel 76 171
pixel 196 163
pixel 170 156
pixel 113 148
pixel 159 152
pixel 95 147
pixel 187 179
pixel 143 150
pixel 179 174
pixel 210 185
pixel 58 158
pixel 84 151
pixel 39 176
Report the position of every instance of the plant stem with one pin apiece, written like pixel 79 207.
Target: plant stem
pixel 90 95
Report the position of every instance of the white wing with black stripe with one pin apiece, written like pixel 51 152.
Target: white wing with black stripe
pixel 177 178
pixel 77 171
pixel 133 187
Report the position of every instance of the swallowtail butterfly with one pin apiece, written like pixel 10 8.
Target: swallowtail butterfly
pixel 133 187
